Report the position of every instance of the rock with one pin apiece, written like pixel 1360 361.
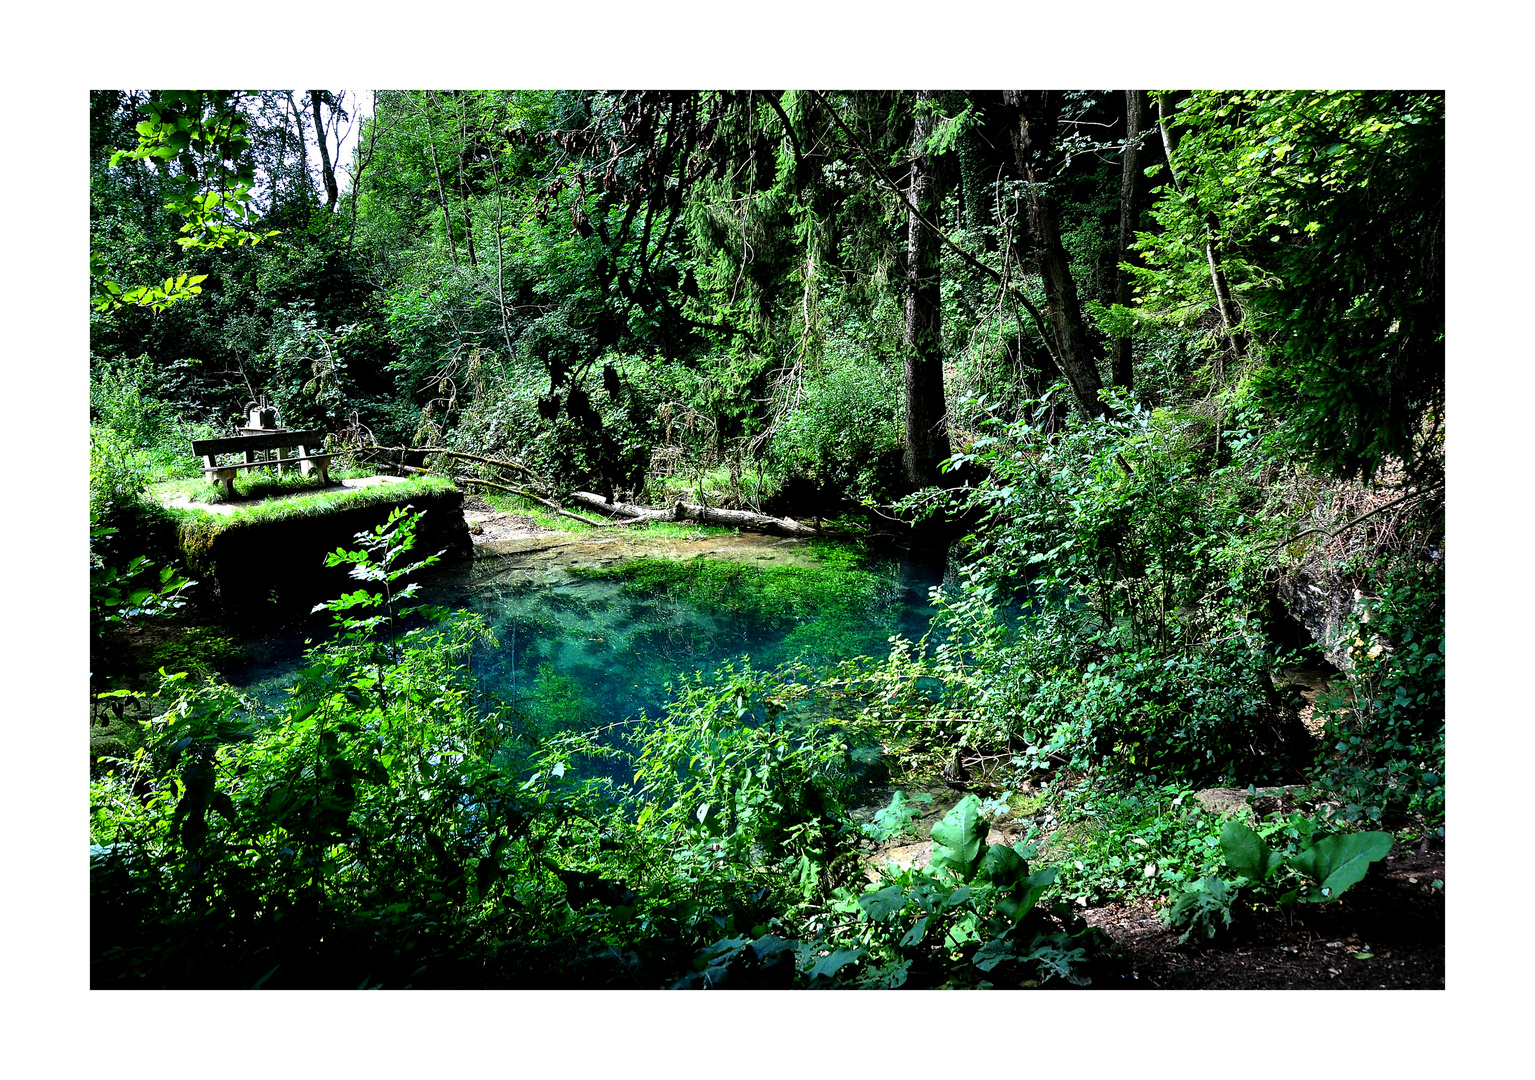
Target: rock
pixel 1325 613
pixel 1228 801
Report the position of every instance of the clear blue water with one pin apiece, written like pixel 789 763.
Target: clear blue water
pixel 591 633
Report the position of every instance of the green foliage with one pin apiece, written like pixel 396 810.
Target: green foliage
pixel 896 819
pixel 1317 869
pixel 1138 840
pixel 730 769
pixel 1384 752
pixel 1247 854
pixel 1203 907
pixel 842 429
pixel 138 590
pixel 118 475
pixel 203 134
pixel 971 917
pixel 1330 207
pixel 1337 862
pixel 959 840
pixel 1114 612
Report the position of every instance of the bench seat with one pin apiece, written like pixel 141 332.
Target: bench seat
pixel 249 446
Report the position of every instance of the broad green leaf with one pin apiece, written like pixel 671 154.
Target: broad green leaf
pixel 1002 866
pixel 917 932
pixel 883 904
pixel 959 838
pixel 1247 853
pixel 1340 861
pixel 993 953
pixel 830 965
pixel 1026 895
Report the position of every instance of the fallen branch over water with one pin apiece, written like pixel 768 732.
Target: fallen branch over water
pixel 624 513
pixel 706 515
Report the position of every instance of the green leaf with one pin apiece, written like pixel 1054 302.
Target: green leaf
pixel 959 838
pixel 917 932
pixel 1340 861
pixel 1002 866
pixel 883 904
pixel 1247 853
pixel 993 953
pixel 1026 895
pixel 828 966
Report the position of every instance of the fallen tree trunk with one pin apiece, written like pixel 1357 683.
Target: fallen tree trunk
pixel 706 515
pixel 633 511
pixel 745 519
pixel 526 494
pixel 626 513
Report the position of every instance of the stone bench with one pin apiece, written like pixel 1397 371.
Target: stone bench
pixel 254 448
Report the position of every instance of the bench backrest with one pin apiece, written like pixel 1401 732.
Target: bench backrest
pixel 236 444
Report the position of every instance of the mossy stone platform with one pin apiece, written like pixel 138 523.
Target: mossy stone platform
pixel 264 563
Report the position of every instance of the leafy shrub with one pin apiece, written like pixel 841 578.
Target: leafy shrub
pixel 1384 749
pixel 1140 841
pixel 1114 613
pixel 971 916
pixel 846 421
pixel 118 475
pixel 1203 908
pixel 121 400
pixel 1318 868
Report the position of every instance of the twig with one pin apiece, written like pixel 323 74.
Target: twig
pixel 526 494
pixel 1340 531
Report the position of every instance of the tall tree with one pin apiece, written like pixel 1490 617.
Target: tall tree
pixel 1034 138
pixel 927 431
pixel 1129 207
pixel 1330 206
pixel 1223 300
pixel 332 192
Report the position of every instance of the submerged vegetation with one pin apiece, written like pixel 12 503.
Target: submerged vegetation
pixel 1169 397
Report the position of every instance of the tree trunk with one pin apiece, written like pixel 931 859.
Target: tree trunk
pixel 332 192
pixel 463 190
pixel 1212 247
pixel 927 430
pixel 1033 139
pixel 708 515
pixel 303 145
pixel 442 199
pixel 1129 207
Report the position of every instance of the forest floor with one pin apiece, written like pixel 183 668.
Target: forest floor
pixel 487 525
pixel 1388 933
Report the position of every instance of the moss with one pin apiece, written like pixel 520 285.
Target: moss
pixel 548 519
pixel 266 562
pixel 558 703
pixel 826 613
pixel 317 504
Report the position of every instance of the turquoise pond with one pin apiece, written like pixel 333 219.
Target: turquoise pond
pixel 591 632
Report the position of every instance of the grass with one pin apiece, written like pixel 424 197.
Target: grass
pixel 711 486
pixel 251 484
pixel 322 502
